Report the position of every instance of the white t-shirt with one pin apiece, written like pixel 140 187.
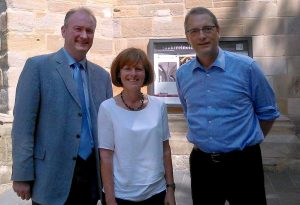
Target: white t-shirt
pixel 136 137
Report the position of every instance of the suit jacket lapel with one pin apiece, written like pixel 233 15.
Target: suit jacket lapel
pixel 66 75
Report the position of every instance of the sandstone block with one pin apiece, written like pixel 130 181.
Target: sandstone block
pixel 173 1
pixel 62 6
pixel 194 3
pixel 292 25
pixel 105 28
pixel 281 86
pixel 230 22
pixel 294 87
pixel 54 42
pixel 31 44
pixel 226 13
pixel 162 10
pixel 293 63
pixel 288 7
pixel 102 46
pixel 275 45
pixel 282 105
pixel 274 65
pixel 293 45
pixel 267 26
pixel 233 30
pixel 100 1
pixel 16 59
pixel 141 43
pixel 138 27
pixel 22 21
pixel 120 44
pixel 13 74
pixel 293 106
pixel 136 2
pixel 27 4
pixel 226 4
pixel 100 10
pixel 11 98
pixel 258 46
pixel 168 27
pixel 102 60
pixel 126 11
pixel 250 9
pixel 49 23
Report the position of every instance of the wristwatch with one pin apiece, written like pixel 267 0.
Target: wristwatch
pixel 172 185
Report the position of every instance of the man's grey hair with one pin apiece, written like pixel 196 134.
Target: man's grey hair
pixel 198 11
pixel 79 9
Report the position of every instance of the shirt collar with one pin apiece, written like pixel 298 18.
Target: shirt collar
pixel 219 62
pixel 71 60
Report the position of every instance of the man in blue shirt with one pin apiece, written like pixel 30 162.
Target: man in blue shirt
pixel 230 108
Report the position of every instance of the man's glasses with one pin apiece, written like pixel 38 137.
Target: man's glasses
pixel 204 29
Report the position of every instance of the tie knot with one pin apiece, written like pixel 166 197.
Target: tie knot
pixel 77 65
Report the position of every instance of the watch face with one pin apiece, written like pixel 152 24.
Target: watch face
pixel 173 186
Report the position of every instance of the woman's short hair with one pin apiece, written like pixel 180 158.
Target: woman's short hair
pixel 131 57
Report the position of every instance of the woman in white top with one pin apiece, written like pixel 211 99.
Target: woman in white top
pixel 136 165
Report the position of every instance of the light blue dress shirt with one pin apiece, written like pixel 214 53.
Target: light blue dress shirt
pixel 83 62
pixel 224 104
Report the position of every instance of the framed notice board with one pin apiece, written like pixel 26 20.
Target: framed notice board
pixel 167 55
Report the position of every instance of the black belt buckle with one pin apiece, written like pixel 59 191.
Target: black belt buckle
pixel 215 157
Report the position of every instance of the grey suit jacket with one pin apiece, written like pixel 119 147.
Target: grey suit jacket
pixel 47 121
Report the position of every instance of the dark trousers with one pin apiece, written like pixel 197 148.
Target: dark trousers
pixel 157 199
pixel 84 189
pixel 237 177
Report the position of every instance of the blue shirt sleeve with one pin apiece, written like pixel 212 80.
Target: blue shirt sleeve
pixel 262 95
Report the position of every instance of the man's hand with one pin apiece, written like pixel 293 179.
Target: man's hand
pixel 22 189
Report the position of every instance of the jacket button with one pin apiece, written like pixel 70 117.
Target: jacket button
pixel 74 158
pixel 80 114
pixel 77 136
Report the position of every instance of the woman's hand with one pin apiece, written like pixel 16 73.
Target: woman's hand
pixel 170 197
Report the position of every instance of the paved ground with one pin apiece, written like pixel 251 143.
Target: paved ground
pixel 282 187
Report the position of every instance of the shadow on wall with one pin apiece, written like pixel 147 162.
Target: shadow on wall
pixel 3 59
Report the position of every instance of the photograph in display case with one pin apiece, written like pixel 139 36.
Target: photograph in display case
pixel 167 55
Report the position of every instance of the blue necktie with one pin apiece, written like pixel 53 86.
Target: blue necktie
pixel 86 140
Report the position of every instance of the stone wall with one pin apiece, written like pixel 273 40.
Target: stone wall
pixel 33 27
pixel 3 59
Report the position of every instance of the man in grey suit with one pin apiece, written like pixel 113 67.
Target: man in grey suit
pixel 54 143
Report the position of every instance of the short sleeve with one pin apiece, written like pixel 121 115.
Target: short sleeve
pixel 165 124
pixel 105 128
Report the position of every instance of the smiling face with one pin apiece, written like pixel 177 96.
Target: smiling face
pixel 78 33
pixel 203 35
pixel 132 76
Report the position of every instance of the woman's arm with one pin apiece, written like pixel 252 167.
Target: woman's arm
pixel 170 196
pixel 106 164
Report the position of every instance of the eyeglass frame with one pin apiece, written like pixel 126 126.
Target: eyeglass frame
pixel 205 29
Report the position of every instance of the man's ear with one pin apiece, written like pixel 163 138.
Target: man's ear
pixel 187 38
pixel 63 31
pixel 219 33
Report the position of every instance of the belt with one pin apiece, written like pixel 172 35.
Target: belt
pixel 220 157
